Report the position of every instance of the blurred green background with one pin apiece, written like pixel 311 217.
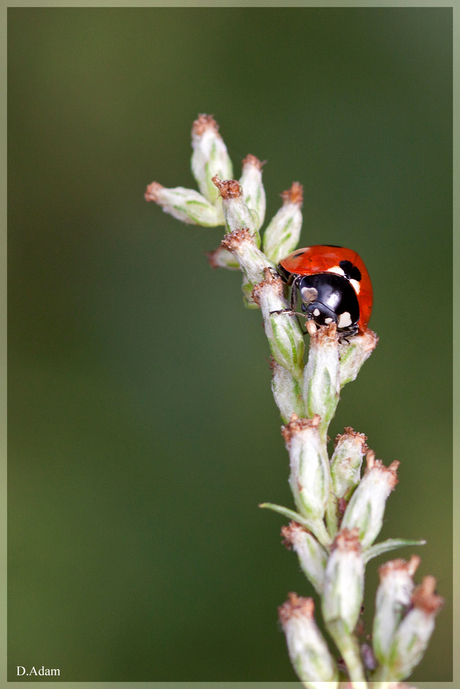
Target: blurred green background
pixel 142 431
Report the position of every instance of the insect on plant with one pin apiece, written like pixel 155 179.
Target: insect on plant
pixel 339 508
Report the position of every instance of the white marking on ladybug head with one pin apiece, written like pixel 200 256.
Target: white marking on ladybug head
pixel 356 286
pixel 336 269
pixel 328 320
pixel 308 294
pixel 316 312
pixel 344 320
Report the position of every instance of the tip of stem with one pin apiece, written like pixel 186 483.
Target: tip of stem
pixel 253 161
pixel 204 122
pixel 151 193
pixel 229 188
pixel 293 195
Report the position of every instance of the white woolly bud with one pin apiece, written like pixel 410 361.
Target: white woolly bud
pixel 346 462
pixel 393 597
pixel 307 648
pixel 354 354
pixel 321 376
pixel 237 214
pixel 312 556
pixel 282 234
pixel 221 258
pixel 413 633
pixel 344 581
pixel 253 189
pixel 282 330
pixel 309 477
pixel 184 204
pixel 209 158
pixel 287 392
pixel 367 504
pixel 252 261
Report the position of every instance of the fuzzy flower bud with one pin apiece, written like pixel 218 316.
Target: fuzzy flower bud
pixel 413 634
pixel 286 391
pixel 221 258
pixel 312 556
pixel 253 189
pixel 237 214
pixel 393 597
pixel 282 234
pixel 367 504
pixel 282 330
pixel 353 355
pixel 252 261
pixel 307 648
pixel 309 477
pixel 321 376
pixel 184 204
pixel 346 461
pixel 344 582
pixel 209 157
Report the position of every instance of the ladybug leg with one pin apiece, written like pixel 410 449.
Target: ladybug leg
pixel 286 277
pixel 350 332
pixel 276 274
pixel 294 286
pixel 286 312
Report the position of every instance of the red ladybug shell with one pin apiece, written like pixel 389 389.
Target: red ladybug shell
pixel 313 260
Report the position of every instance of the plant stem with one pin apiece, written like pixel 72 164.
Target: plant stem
pixel 349 648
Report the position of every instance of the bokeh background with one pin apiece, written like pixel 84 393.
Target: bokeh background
pixel 142 431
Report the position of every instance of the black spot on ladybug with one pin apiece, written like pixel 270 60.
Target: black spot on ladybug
pixel 347 267
pixel 299 253
pixel 355 274
pixel 351 271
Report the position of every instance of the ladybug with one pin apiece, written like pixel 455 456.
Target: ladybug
pixel 334 286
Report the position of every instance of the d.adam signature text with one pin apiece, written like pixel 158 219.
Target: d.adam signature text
pixel 37 672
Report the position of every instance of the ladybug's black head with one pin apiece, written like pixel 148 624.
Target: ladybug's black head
pixel 329 298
